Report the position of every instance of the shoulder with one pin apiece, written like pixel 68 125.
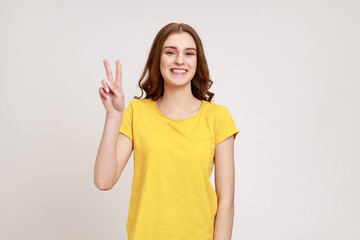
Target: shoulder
pixel 140 107
pixel 214 105
pixel 219 114
pixel 215 108
pixel 141 102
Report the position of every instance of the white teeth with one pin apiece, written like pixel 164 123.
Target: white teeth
pixel 178 71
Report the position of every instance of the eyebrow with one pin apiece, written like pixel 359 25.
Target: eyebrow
pixel 176 48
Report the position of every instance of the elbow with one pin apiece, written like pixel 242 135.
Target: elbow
pixel 226 200
pixel 103 187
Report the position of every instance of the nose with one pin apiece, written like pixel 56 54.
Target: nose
pixel 179 59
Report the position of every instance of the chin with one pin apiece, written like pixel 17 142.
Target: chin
pixel 177 80
pixel 178 83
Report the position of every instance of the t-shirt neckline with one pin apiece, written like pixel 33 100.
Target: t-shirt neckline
pixel 180 120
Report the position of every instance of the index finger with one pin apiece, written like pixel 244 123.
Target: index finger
pixel 108 70
pixel 118 71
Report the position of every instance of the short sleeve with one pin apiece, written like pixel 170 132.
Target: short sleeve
pixel 224 125
pixel 126 126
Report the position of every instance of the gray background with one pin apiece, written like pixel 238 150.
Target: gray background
pixel 288 71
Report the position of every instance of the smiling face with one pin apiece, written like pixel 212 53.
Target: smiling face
pixel 178 59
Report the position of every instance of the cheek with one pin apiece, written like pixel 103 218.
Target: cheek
pixel 194 64
pixel 162 64
pixel 164 61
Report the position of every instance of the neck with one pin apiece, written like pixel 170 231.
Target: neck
pixel 178 98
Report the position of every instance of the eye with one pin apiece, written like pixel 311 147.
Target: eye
pixel 169 53
pixel 189 53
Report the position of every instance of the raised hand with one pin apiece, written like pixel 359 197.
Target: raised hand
pixel 111 93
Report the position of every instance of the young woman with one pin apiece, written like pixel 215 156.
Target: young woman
pixel 177 135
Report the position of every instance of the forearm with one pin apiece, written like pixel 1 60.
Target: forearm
pixel 105 164
pixel 224 221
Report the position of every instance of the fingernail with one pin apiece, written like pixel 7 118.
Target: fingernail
pixel 107 97
pixel 107 89
pixel 109 83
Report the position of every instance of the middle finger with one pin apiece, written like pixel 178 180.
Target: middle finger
pixel 118 71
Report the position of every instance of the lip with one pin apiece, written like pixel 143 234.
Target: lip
pixel 178 74
pixel 179 69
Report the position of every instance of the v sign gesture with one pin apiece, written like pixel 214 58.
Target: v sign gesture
pixel 115 148
pixel 111 94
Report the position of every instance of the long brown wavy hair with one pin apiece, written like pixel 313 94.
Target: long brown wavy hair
pixel 153 85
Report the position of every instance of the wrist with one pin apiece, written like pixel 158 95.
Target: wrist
pixel 114 114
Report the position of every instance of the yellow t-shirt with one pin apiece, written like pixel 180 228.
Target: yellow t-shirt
pixel 172 197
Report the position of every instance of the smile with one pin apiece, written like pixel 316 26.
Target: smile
pixel 178 71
